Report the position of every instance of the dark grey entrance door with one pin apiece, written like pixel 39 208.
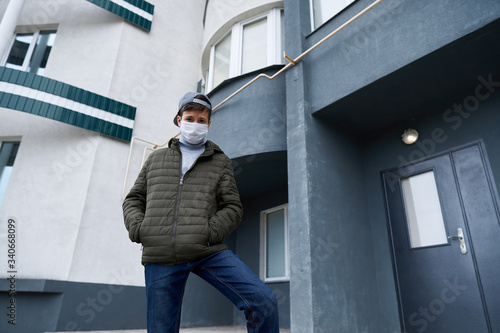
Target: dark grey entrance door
pixel 445 232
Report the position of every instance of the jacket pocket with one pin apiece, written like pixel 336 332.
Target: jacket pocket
pixel 134 232
pixel 208 234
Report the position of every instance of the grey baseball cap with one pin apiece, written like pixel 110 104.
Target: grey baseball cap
pixel 191 97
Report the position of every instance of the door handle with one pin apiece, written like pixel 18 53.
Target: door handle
pixel 461 240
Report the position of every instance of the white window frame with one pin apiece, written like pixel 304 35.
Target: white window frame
pixel 273 45
pixel 311 10
pixel 263 252
pixel 210 75
pixel 31 48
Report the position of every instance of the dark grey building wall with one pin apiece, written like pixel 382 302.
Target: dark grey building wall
pixel 391 35
pixel 333 283
pixel 344 273
pixel 34 312
pixel 298 122
pixel 333 286
pixel 254 121
pixel 47 305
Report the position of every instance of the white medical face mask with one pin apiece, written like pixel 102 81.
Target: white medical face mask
pixel 193 133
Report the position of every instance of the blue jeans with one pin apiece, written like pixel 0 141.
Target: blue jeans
pixel 226 272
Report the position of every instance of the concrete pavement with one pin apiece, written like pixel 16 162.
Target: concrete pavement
pixel 217 329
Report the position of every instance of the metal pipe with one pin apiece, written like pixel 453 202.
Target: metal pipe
pixel 292 62
pixel 143 156
pixel 128 160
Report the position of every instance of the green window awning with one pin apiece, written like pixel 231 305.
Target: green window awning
pixel 41 96
pixel 138 12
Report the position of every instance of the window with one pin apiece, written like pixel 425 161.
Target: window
pixel 274 264
pixel 323 10
pixel 250 45
pixel 423 210
pixel 220 68
pixel 254 46
pixel 30 51
pixel 8 152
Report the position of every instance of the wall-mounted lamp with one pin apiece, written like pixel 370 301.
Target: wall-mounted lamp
pixel 410 136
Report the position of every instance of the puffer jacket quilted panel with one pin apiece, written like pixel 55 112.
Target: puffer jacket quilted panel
pixel 182 222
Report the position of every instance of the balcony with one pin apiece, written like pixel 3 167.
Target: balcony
pixel 251 129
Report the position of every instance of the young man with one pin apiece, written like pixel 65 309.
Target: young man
pixel 183 204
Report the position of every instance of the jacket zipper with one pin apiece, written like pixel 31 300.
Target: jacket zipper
pixel 176 215
pixel 175 218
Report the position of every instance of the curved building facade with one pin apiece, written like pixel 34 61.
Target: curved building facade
pixel 354 229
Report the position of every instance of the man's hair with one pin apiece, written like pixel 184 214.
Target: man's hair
pixel 196 106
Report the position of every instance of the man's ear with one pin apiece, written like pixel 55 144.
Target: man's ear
pixel 209 122
pixel 179 120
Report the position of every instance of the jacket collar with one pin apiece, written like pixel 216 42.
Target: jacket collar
pixel 210 147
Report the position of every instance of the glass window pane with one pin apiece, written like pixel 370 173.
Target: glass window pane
pixel 8 153
pixel 254 46
pixel 19 50
pixel 43 46
pixel 221 61
pixel 275 249
pixel 282 38
pixel 424 215
pixel 4 180
pixel 325 9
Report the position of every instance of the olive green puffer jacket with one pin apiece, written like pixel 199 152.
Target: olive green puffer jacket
pixel 180 221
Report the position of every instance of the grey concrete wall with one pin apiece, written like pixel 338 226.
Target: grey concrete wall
pixel 391 35
pixel 48 306
pixel 344 273
pixel 254 121
pixel 299 182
